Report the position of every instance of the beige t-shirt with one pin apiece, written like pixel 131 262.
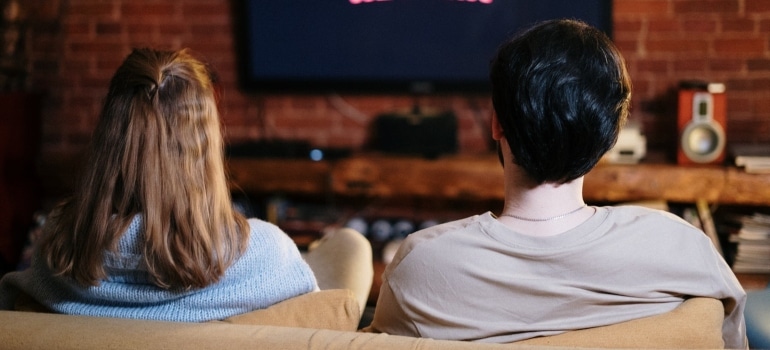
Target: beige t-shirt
pixel 475 279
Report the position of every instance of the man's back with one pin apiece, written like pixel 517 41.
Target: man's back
pixel 475 279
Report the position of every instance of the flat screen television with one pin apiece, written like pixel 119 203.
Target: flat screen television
pixel 386 46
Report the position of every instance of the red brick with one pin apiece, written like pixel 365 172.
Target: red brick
pixel 77 28
pixel 737 104
pixel 141 30
pixel 690 65
pixel 758 128
pixel 725 65
pixel 700 25
pixel 108 28
pixel 626 47
pixel 97 83
pixel 77 65
pixel 172 28
pixel 762 105
pixel 663 25
pixel 738 25
pixel 205 9
pixel 109 62
pixel 211 45
pixel 740 46
pixel 761 84
pixel 759 65
pixel 89 8
pixel 706 6
pixel 627 25
pixel 654 66
pixel 211 30
pixel 132 8
pixel 94 47
pixel 45 66
pixel 640 86
pixel 739 84
pixel 677 46
pixel 640 7
pixel 757 6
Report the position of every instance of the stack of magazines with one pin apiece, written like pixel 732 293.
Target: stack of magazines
pixel 753 245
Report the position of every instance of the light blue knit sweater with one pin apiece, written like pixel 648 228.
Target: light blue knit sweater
pixel 271 270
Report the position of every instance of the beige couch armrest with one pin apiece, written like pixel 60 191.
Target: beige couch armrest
pixel 335 309
pixel 697 323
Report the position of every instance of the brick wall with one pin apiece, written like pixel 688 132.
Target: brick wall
pixel 728 41
pixel 76 45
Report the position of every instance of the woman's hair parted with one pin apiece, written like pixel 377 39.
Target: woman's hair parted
pixel 157 151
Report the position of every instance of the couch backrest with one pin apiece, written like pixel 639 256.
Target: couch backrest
pixel 695 324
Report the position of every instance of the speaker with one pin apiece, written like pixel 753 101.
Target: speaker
pixel 429 135
pixel 702 123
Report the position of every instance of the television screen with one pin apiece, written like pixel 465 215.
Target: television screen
pixel 393 46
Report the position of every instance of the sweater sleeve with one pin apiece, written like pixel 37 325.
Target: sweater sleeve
pixel 274 262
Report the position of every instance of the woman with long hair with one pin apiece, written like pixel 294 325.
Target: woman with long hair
pixel 151 232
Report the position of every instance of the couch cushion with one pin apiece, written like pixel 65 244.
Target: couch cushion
pixel 696 324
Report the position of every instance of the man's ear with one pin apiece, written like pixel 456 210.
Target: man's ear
pixel 497 130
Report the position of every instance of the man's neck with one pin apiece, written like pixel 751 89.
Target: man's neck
pixel 542 209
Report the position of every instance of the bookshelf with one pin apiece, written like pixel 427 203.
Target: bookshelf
pixel 480 178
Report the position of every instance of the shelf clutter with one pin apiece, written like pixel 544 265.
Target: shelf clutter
pixel 754 159
pixel 753 244
pixel 754 164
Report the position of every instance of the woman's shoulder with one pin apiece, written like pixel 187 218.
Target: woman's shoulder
pixel 265 233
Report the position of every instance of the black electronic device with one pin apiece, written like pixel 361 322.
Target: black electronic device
pixel 401 46
pixel 428 135
pixel 270 149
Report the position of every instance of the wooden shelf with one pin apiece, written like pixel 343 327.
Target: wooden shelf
pixel 481 177
pixel 297 176
pixel 389 176
pixel 461 177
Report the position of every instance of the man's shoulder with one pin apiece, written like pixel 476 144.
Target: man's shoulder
pixel 449 227
pixel 653 224
pixel 437 235
pixel 641 213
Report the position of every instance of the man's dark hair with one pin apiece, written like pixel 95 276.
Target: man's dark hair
pixel 561 93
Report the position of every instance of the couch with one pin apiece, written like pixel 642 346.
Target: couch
pixel 328 319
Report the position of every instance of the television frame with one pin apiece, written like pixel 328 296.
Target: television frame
pixel 416 86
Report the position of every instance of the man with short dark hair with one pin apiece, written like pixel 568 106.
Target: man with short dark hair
pixel 549 263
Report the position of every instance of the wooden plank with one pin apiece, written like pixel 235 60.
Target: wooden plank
pixel 390 176
pixel 616 183
pixel 263 175
pixel 481 178
pixel 745 189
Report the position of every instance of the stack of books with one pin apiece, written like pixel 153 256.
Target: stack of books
pixel 754 158
pixel 753 245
